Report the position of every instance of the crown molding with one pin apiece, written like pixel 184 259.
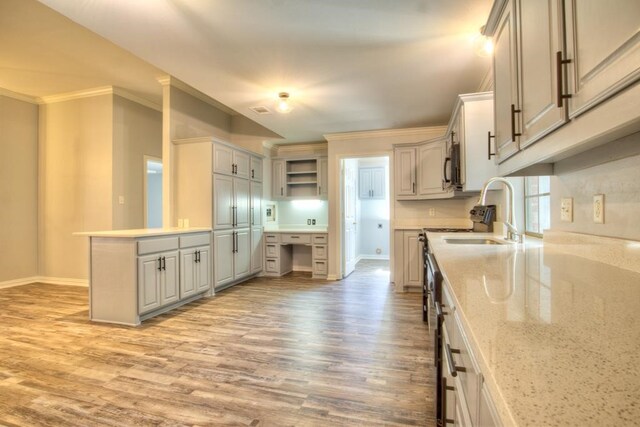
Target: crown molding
pixel 179 84
pixel 383 132
pixel 19 96
pixel 135 98
pixel 99 91
pixel 494 17
pixel 288 148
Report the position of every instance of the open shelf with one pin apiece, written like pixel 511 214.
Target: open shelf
pixel 303 173
pixel 303 183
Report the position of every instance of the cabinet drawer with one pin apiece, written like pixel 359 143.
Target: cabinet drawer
pixel 319 239
pixel 271 238
pixel 149 246
pixel 271 250
pixel 319 252
pixel 303 239
pixel 272 266
pixel 191 240
pixel 319 268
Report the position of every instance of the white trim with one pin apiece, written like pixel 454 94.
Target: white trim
pixel 45 280
pixel 98 91
pixel 381 257
pixel 172 81
pixel 135 98
pixel 19 96
pixel 284 148
pixel 378 133
pixel 333 277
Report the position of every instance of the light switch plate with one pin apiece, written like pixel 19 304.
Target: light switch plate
pixel 598 208
pixel 566 209
pixel 121 200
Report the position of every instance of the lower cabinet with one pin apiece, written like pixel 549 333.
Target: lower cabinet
pixel 232 256
pixel 409 268
pixel 257 250
pixel 137 276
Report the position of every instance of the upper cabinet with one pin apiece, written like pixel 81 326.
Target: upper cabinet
pixel 405 172
pixel 419 171
pixel 371 182
pixel 299 178
pixel 544 79
pixel 256 169
pixel 229 161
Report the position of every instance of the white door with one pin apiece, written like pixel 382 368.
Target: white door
pixel 241 201
pixel 223 250
pixel 256 168
pixel 350 216
pixel 149 270
pixel 242 164
pixel 169 279
pixel 431 160
pixel 222 159
pixel 203 269
pixel 223 214
pixel 256 203
pixel 405 171
pixel 187 273
pixel 256 249
pixel 242 260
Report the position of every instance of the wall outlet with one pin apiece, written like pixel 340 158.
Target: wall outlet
pixel 313 222
pixel 566 209
pixel 180 223
pixel 121 200
pixel 432 212
pixel 598 208
pixel 379 225
pixel 186 223
pixel 308 222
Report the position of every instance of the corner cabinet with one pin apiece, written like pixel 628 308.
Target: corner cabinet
pixel 299 178
pixel 219 185
pixel 138 274
pixel 556 60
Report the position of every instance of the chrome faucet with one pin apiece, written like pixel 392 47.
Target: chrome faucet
pixel 512 231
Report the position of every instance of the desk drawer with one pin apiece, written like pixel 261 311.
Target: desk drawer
pixel 272 266
pixel 296 239
pixel 271 238
pixel 319 268
pixel 319 252
pixel 319 239
pixel 271 250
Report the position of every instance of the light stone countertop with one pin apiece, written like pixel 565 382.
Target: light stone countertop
pixel 142 232
pixel 555 330
pixel 295 229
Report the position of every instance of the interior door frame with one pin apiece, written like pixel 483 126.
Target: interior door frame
pixel 341 247
pixel 146 158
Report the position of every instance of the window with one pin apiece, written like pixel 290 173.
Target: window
pixel 537 201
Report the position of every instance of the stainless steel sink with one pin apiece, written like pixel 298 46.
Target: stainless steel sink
pixel 473 242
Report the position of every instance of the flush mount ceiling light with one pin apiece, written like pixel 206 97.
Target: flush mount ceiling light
pixel 283 104
pixel 482 44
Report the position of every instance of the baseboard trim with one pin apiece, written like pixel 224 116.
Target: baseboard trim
pixel 382 257
pixel 43 279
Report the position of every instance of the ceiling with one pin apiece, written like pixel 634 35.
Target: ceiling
pixel 349 65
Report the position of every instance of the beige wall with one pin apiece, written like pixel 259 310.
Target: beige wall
pixel 75 179
pixel 618 180
pixel 362 144
pixel 18 189
pixel 137 131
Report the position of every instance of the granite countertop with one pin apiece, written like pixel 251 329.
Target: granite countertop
pixel 554 324
pixel 142 232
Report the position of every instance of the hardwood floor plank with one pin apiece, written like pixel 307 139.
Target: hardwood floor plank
pixel 287 351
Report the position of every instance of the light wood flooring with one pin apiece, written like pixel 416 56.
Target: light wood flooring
pixel 270 352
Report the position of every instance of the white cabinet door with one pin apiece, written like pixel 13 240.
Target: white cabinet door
pixel 364 183
pixel 242 164
pixel 541 38
pixel 430 166
pixel 505 75
pixel 149 270
pixel 603 41
pixel 203 269
pixel 256 249
pixel 405 171
pixel 223 201
pixel 323 177
pixel 188 273
pixel 242 259
pixel 256 203
pixel 412 254
pixel 223 250
pixel 241 201
pixel 222 159
pixel 169 279
pixel 278 180
pixel 378 183
pixel 256 168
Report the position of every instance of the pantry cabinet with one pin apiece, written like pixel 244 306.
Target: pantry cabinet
pixel 230 161
pixel 232 256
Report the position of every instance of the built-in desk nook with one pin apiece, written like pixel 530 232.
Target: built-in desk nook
pixel 281 246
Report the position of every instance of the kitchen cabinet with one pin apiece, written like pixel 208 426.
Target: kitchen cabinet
pixel 323 177
pixel 300 178
pixel 256 168
pixel 230 161
pixel 278 180
pixel 555 61
pixel 371 182
pixel 212 193
pixel 469 128
pixel 405 171
pixel 279 247
pixel 409 268
pixel 257 249
pixel 431 159
pixel 137 274
pixel 232 256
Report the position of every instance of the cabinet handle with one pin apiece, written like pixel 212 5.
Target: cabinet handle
pixel 443 411
pixel 294 237
pixel 439 311
pixel 159 263
pixel 413 185
pixel 197 254
pixel 444 169
pixel 559 63
pixel 253 219
pixel 236 237
pixel 451 135
pixel 281 191
pixel 234 211
pixel 453 369
pixel 164 263
pixel 513 122
pixel 252 174
pixel 489 153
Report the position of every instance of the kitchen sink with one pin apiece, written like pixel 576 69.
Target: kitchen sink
pixel 473 242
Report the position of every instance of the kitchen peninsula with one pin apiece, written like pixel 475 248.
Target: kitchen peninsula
pixel 138 274
pixel 526 327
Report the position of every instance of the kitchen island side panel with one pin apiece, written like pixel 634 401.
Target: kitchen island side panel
pixel 113 289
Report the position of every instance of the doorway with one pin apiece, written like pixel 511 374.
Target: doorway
pixel 365 214
pixel 152 192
